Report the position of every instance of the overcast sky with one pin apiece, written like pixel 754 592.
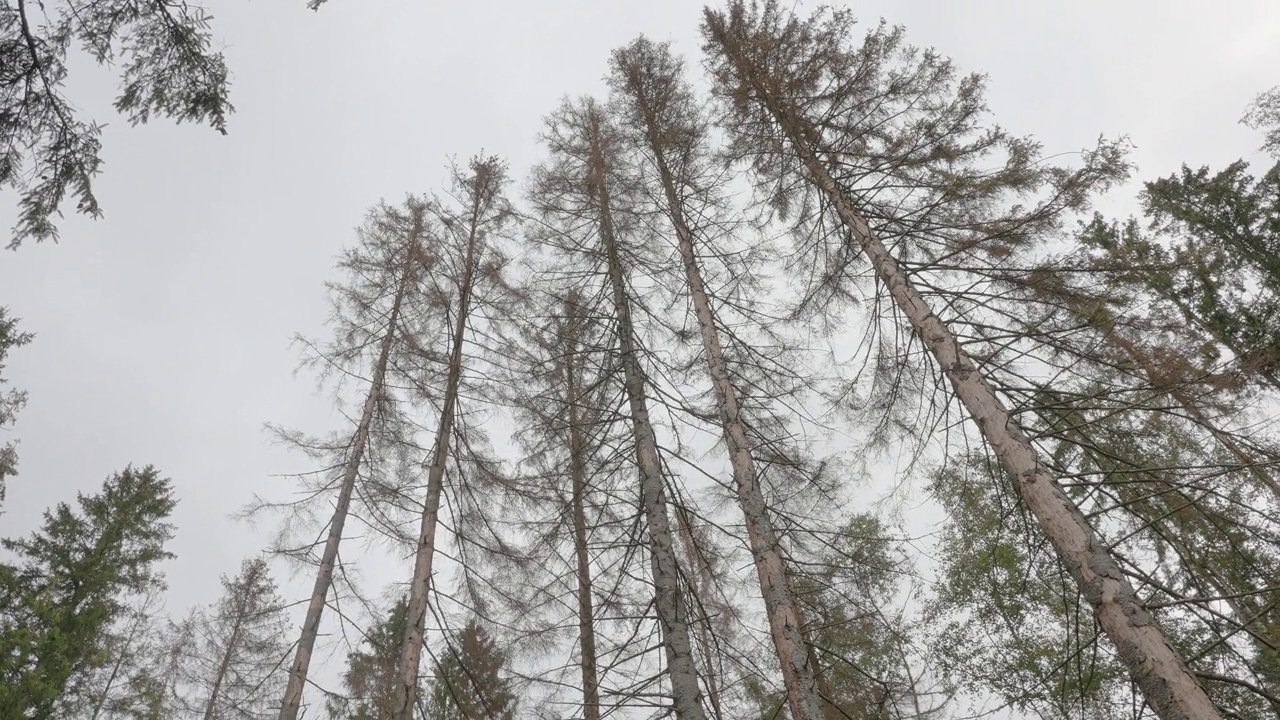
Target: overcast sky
pixel 163 330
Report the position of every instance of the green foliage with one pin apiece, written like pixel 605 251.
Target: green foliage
pixel 1212 249
pixel 72 580
pixel 1188 542
pixel 860 645
pixel 13 400
pixel 1041 653
pixel 169 68
pixel 1264 114
pixel 370 680
pixel 468 683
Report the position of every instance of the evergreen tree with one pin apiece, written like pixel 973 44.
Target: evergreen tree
pixel 1264 114
pixel 169 68
pixel 1213 252
pixel 11 401
pixel 1157 417
pixel 369 683
pixel 469 682
pixel 73 578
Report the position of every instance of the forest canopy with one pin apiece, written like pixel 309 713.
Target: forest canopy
pixel 636 428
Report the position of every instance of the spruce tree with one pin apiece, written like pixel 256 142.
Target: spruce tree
pixel 169 68
pixel 11 401
pixel 71 580
pixel 369 684
pixel 876 153
pixel 469 682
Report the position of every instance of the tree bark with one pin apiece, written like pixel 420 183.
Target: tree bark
pixel 578 473
pixel 703 584
pixel 225 663
pixel 324 574
pixel 1155 666
pixel 408 667
pixel 771 570
pixel 672 613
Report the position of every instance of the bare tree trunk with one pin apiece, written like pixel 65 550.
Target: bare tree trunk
pixel 651 87
pixel 708 661
pixel 223 665
pixel 122 654
pixel 672 613
pixel 829 709
pixel 1155 666
pixel 324 574
pixel 703 588
pixel 577 470
pixel 408 667
pixel 771 570
pixel 1206 574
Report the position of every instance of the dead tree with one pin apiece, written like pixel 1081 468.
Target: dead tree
pixel 662 114
pixel 579 182
pixel 797 95
pixel 383 271
pixel 470 266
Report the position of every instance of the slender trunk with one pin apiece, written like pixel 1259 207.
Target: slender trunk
pixel 106 690
pixel 324 574
pixel 771 570
pixel 672 613
pixel 713 680
pixel 232 641
pixel 829 710
pixel 410 661
pixel 1155 666
pixel 578 473
pixel 122 653
pixel 703 589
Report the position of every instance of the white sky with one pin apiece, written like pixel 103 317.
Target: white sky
pixel 163 330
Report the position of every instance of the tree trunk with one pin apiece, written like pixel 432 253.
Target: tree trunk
pixel 122 653
pixel 577 470
pixel 324 574
pixel 672 613
pixel 771 570
pixel 225 663
pixel 703 584
pixel 1202 571
pixel 408 668
pixel 829 709
pixel 1155 666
